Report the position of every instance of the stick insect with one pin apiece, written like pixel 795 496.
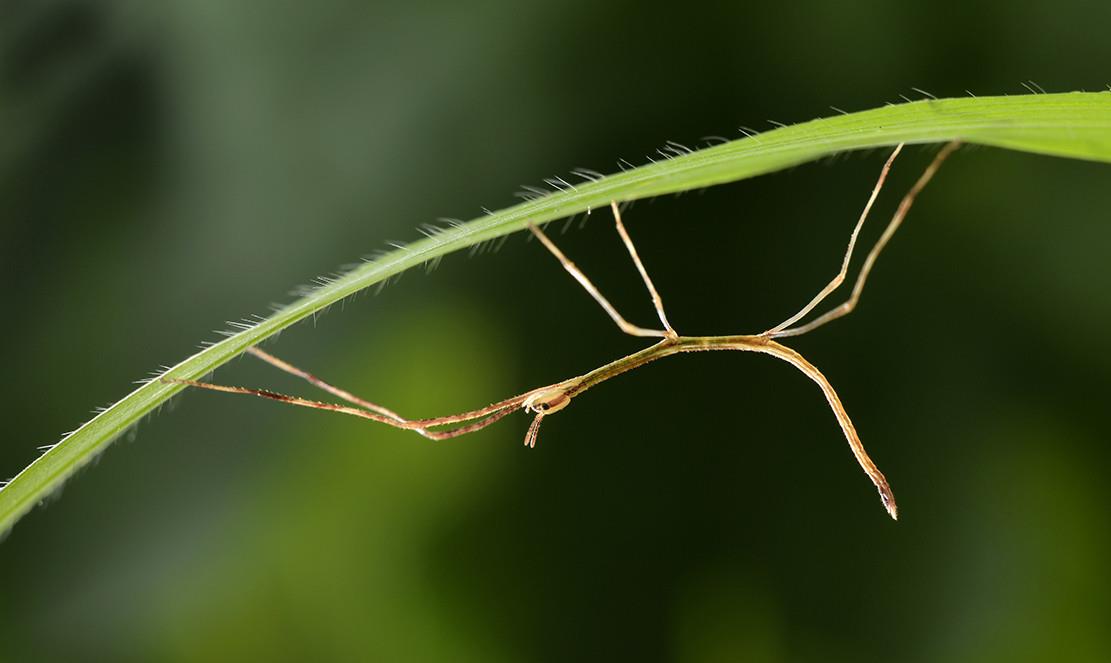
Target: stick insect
pixel 547 400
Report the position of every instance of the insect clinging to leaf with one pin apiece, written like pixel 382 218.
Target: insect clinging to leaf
pixel 549 399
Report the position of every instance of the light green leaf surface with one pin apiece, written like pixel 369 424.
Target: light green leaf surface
pixel 1076 125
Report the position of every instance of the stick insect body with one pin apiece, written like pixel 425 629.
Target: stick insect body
pixel 549 399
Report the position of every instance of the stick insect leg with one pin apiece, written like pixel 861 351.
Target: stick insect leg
pixel 656 300
pixel 896 220
pixel 491 414
pixel 294 400
pixel 321 384
pixel 474 420
pixel 622 323
pixel 840 277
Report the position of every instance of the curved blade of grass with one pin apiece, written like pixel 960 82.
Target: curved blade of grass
pixel 1076 125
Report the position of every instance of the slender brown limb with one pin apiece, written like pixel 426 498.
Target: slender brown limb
pixel 622 323
pixel 656 300
pixel 317 382
pixel 469 428
pixel 485 416
pixel 506 408
pixel 893 225
pixel 840 277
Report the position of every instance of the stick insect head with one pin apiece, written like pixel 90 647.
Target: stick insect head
pixel 547 402
pixel 543 403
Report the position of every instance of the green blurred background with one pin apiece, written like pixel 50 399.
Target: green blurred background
pixel 165 167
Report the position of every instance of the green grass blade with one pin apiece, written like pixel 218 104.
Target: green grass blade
pixel 1076 125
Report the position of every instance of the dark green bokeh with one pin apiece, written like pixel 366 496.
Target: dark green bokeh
pixel 165 167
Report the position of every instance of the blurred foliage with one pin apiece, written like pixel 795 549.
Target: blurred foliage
pixel 702 509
